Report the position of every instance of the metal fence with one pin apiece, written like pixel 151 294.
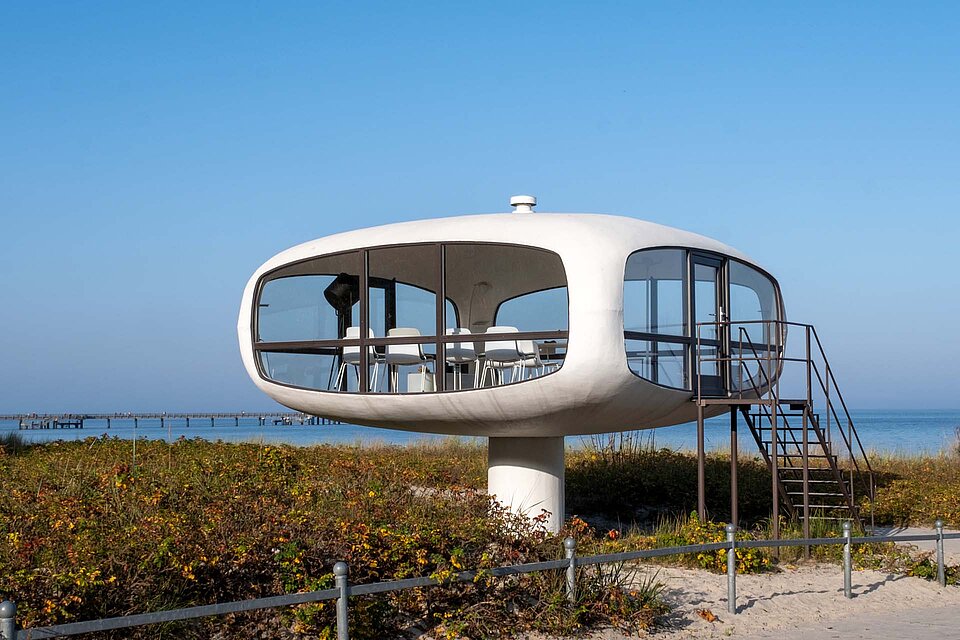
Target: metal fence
pixel 344 590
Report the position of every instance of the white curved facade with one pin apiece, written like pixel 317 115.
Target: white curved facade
pixel 594 390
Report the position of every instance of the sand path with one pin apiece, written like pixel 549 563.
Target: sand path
pixel 806 602
pixel 951 547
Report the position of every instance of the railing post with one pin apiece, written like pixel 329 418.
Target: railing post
pixel 8 620
pixel 340 570
pixel 806 446
pixel 732 569
pixel 570 549
pixel 941 570
pixel 847 561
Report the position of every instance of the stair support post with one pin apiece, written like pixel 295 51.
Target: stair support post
pixel 701 468
pixel 734 490
pixel 806 447
pixel 775 472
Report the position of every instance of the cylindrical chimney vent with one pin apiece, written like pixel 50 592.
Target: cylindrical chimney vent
pixel 523 204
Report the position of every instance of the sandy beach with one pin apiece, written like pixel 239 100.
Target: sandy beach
pixel 806 601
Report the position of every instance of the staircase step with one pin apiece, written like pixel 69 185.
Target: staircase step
pixel 829 507
pixel 810 449
pixel 799 456
pixel 811 480
pixel 798 428
pixel 817 493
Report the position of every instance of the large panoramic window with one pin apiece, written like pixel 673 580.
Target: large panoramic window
pixel 687 314
pixel 372 321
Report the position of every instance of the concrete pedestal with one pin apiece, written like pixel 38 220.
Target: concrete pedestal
pixel 526 475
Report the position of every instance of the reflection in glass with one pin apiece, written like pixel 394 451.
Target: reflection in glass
pixel 653 292
pixel 402 289
pixel 755 345
pixel 705 302
pixel 517 288
pixel 482 277
pixel 753 296
pixel 306 370
pixel 537 311
pixel 660 362
pixel 311 300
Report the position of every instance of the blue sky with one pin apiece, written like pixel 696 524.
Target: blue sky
pixel 154 155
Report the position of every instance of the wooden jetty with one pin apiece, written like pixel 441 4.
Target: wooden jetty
pixel 29 421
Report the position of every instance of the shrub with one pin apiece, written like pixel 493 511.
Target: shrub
pixel 87 531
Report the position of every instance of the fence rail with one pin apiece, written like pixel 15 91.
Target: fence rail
pixel 344 590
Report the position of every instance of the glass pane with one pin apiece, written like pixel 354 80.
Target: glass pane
pixel 480 277
pixel 306 370
pixel 653 291
pixel 709 366
pixel 636 306
pixel 705 300
pixel 753 297
pixel 754 338
pixel 503 360
pixel 660 362
pixel 403 302
pixel 452 314
pixel 537 311
pixel 311 300
pixel 750 367
pixel 403 282
pixel 503 289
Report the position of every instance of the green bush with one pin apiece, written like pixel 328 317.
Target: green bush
pixel 87 531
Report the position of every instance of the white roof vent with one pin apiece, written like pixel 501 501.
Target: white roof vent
pixel 523 204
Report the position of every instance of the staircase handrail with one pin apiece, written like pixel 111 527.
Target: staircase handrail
pixel 830 379
pixel 843 403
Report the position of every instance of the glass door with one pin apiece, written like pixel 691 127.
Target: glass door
pixel 707 310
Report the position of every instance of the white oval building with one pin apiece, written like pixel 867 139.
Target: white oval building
pixel 523 327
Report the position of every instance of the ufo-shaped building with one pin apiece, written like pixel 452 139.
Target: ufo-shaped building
pixel 523 327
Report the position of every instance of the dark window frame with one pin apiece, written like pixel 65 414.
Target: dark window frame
pixel 331 347
pixel 689 339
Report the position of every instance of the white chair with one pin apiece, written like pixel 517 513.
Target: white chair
pixel 549 351
pixel 461 354
pixel 351 357
pixel 404 355
pixel 531 363
pixel 500 355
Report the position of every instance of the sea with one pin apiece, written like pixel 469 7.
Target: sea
pixel 903 432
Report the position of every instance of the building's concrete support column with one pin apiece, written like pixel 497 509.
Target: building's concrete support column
pixel 526 475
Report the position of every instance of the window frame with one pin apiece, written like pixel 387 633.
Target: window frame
pixel 331 347
pixel 689 339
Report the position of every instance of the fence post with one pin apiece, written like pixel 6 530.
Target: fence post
pixel 8 620
pixel 340 570
pixel 847 562
pixel 941 570
pixel 732 569
pixel 570 549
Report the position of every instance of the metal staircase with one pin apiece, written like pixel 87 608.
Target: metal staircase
pixel 806 436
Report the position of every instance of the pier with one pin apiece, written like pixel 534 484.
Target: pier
pixel 31 421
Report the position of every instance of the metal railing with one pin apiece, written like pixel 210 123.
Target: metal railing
pixel 770 358
pixel 569 563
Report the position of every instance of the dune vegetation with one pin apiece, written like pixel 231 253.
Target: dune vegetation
pixel 88 530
